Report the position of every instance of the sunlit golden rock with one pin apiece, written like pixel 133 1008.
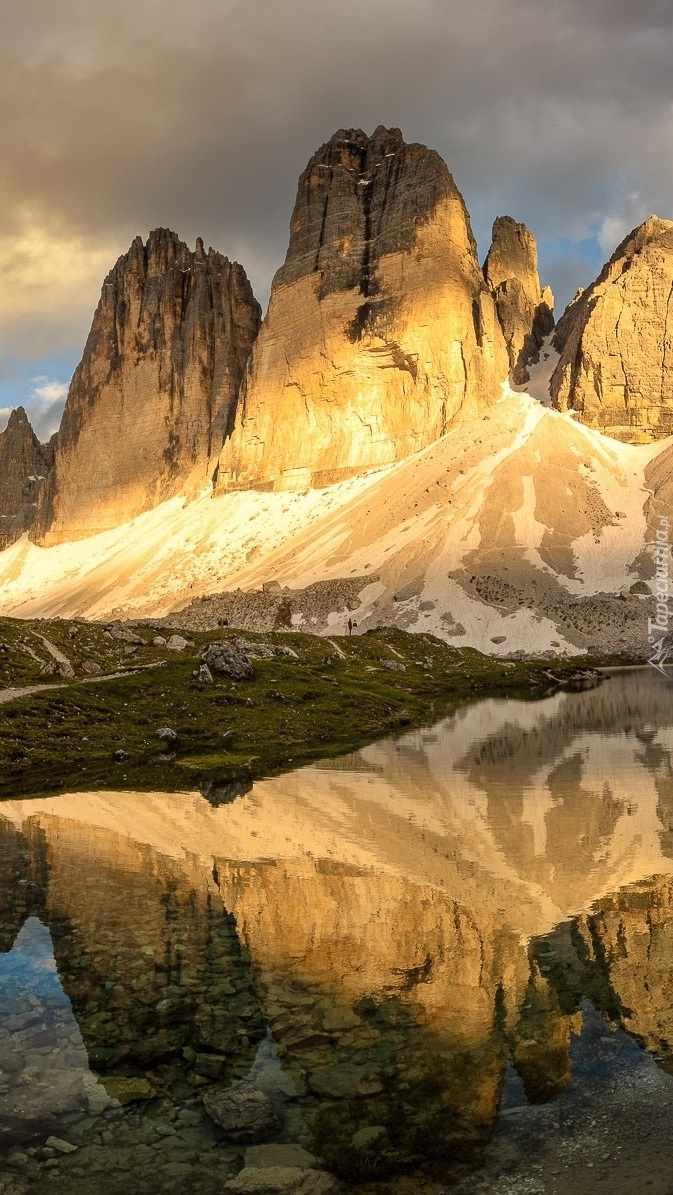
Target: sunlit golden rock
pixel 155 393
pixel 524 309
pixel 381 329
pixel 616 341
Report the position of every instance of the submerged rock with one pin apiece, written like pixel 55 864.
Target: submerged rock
pixel 61 1146
pixel 127 1090
pixel 277 1154
pixel 293 1180
pixel 243 1111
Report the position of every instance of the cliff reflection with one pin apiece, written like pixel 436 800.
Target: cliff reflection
pixel 405 920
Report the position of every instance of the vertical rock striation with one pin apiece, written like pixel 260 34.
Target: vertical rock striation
pixel 524 310
pixel 155 394
pixel 381 329
pixel 616 341
pixel 24 467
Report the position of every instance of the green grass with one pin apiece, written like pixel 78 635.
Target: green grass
pixel 292 711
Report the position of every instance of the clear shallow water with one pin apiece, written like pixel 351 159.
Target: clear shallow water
pixel 451 953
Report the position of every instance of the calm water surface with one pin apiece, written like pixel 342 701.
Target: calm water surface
pixel 443 961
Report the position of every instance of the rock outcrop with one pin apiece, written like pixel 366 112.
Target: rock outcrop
pixel 381 329
pixel 155 394
pixel 524 310
pixel 616 341
pixel 24 467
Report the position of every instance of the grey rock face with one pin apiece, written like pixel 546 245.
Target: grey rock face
pixel 155 394
pixel 524 310
pixel 25 465
pixel 228 660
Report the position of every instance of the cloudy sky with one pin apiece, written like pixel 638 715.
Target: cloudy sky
pixel 121 116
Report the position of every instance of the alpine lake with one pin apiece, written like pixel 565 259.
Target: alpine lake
pixel 441 962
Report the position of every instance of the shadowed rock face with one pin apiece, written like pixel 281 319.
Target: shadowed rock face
pixel 380 331
pixel 616 351
pixel 155 394
pixel 24 466
pixel 524 310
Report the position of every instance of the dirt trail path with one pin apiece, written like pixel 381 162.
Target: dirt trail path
pixel 67 670
pixel 12 694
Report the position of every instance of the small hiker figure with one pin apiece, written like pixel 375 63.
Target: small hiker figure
pixel 355 625
pixel 350 626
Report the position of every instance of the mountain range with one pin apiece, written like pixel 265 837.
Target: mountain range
pixel 405 435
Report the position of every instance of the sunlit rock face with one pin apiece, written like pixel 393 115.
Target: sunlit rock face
pixel 524 309
pixel 381 329
pixel 155 393
pixel 24 467
pixel 399 987
pixel 616 350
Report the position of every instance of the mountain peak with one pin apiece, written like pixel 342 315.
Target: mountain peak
pixel 18 417
pixel 24 467
pixel 615 366
pixel 524 309
pixel 381 329
pixel 155 393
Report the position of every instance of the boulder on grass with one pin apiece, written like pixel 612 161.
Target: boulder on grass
pixel 227 660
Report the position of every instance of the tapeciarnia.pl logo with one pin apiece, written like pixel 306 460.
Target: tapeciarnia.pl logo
pixel 657 627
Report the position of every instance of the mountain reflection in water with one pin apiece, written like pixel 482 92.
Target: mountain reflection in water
pixel 414 924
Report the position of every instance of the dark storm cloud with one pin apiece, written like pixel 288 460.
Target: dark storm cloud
pixel 121 116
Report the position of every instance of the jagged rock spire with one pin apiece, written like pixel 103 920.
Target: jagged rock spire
pixel 155 393
pixel 24 467
pixel 381 329
pixel 615 341
pixel 525 310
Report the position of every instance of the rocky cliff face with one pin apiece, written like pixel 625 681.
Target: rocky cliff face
pixel 381 329
pixel 24 467
pixel 616 342
pixel 524 309
pixel 155 393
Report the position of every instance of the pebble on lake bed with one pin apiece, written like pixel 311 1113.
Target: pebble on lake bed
pixel 61 1146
